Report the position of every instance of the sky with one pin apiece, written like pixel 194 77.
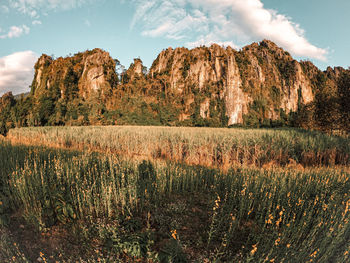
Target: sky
pixel 315 30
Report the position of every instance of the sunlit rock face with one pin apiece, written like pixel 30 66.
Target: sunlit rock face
pixel 261 71
pixel 214 83
pixel 89 73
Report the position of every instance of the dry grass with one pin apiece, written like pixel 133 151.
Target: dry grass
pixel 222 148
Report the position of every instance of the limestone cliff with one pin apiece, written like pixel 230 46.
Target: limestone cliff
pixel 261 84
pixel 85 74
pixel 261 73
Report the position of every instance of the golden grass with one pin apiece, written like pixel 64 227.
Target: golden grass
pixel 211 147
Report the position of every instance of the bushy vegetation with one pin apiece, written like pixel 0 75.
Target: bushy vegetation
pixel 109 210
pixel 330 109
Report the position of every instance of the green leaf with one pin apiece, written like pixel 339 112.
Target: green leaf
pixel 70 211
pixel 65 212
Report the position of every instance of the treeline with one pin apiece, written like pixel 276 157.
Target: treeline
pixel 131 109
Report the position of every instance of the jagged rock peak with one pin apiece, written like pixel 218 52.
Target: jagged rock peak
pixel 335 73
pixel 92 71
pixel 136 70
pixel 138 66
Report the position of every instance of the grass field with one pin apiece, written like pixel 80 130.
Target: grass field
pixel 73 205
pixel 209 147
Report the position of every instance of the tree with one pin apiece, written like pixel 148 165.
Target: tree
pixel 46 108
pixel 326 105
pixel 3 128
pixel 344 100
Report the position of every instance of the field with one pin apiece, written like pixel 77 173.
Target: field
pixel 221 148
pixel 152 194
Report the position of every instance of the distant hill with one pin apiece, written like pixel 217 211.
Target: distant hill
pixel 260 85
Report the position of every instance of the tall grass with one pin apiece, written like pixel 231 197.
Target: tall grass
pixel 198 146
pixel 255 215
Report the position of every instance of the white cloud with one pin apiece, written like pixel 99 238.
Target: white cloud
pixel 16 31
pixel 4 9
pixel 222 21
pixel 31 7
pixel 17 71
pixel 36 22
pixel 35 8
pixel 87 22
pixel 168 18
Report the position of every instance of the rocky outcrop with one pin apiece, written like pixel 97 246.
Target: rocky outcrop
pixel 135 71
pixel 85 74
pixel 261 73
pixel 215 86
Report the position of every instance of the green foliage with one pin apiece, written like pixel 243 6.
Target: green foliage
pixel 344 100
pixel 146 171
pixel 45 109
pixel 173 252
pixel 284 213
pixel 257 112
pixel 185 68
pixel 326 105
pixel 169 65
pixel 57 207
pixel 275 95
pixel 287 69
pixel 71 84
pixel 3 128
pixel 243 64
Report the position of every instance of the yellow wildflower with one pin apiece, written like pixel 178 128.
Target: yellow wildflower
pixel 174 234
pixel 277 241
pixel 250 211
pixel 314 254
pixel 255 248
pixel 269 221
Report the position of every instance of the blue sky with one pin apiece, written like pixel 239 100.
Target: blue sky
pixel 317 30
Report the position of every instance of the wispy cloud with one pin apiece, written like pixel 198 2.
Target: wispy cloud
pixel 87 22
pixel 168 18
pixel 33 7
pixel 17 71
pixel 36 22
pixel 16 31
pixel 222 21
pixel 4 9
